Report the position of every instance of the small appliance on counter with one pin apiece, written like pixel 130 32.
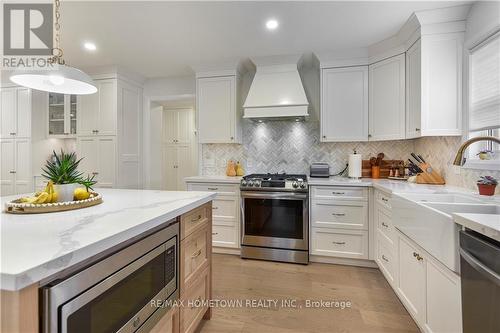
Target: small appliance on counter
pixel 319 170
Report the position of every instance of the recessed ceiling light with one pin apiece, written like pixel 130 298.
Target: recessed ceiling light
pixel 271 24
pixel 89 46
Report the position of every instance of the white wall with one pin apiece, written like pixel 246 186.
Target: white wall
pixel 180 85
pixel 483 19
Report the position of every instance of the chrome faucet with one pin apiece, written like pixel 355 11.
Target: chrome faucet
pixel 459 159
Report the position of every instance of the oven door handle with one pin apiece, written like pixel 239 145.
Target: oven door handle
pixel 480 267
pixel 274 195
pixel 89 295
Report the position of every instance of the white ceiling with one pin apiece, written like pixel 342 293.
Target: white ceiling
pixel 158 39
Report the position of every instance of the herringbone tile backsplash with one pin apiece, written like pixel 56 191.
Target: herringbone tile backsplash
pixel 278 146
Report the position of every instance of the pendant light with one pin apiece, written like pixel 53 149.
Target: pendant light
pixel 60 78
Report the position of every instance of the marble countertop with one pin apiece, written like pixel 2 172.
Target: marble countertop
pixel 213 179
pixel 486 224
pixel 36 246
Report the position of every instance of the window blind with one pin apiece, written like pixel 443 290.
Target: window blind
pixel 484 110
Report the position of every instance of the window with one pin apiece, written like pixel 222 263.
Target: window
pixel 484 102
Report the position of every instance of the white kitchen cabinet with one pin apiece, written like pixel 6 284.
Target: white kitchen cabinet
pixel 434 86
pixel 218 110
pixel 177 164
pixel 98 112
pixel 428 289
pixel 15 113
pixel 387 99
pixel 344 104
pixel 177 127
pixel 386 255
pixel 16 174
pixel 225 213
pixel 99 158
pixel 61 115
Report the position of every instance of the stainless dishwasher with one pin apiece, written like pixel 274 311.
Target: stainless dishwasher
pixel 480 275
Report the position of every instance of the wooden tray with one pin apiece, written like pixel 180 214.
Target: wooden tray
pixel 17 207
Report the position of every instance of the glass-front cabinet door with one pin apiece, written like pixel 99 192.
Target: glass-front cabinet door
pixel 62 111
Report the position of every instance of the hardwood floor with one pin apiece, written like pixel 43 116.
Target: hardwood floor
pixel 375 307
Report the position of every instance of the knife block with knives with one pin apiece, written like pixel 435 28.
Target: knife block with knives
pixel 426 173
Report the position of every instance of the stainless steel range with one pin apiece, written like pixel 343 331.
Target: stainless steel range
pixel 275 217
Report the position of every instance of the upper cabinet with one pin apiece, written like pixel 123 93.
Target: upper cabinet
pixel 218 110
pixel 98 112
pixel 344 104
pixel 15 113
pixel 434 86
pixel 387 99
pixel 62 111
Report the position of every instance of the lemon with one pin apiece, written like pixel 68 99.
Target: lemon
pixel 81 194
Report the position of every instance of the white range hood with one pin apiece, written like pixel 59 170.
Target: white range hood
pixel 276 93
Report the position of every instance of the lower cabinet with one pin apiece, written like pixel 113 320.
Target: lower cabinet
pixel 169 323
pixel 225 213
pixel 15 170
pixel 195 276
pixel 340 243
pixel 428 289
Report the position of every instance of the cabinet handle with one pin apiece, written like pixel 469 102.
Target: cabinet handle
pixel 196 254
pixel 417 129
pixel 97 131
pixel 12 171
pixel 339 193
pixel 338 214
pixel 196 219
pixel 214 208
pixel 95 173
pixel 12 133
pixel 369 135
pixel 214 233
pixel 339 243
pixel 232 138
pixel 384 225
pixel 136 322
pixel 213 188
pixel 384 258
pixel 416 255
pixel 324 136
pixel 385 200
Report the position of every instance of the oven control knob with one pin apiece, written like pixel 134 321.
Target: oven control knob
pixel 295 184
pixel 250 183
pixel 256 183
pixel 302 185
pixel 243 182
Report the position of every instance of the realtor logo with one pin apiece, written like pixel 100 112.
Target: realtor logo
pixel 27 29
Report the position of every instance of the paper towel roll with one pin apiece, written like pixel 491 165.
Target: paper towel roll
pixel 355 165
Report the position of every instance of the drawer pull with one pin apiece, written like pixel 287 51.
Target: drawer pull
pixel 385 225
pixel 338 193
pixel 215 233
pixel 197 301
pixel 416 255
pixel 213 188
pixel 338 214
pixel 384 258
pixel 12 133
pixel 385 199
pixel 197 219
pixel 339 243
pixel 196 254
pixel 12 171
pixel 214 208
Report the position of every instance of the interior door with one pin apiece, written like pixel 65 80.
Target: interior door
pixel 8 113
pixel 7 153
pixel 184 125
pixel 170 126
pixel 23 179
pixel 23 118
pixel 184 166
pixel 107 162
pixel 169 167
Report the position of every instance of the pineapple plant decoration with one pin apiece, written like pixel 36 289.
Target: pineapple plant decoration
pixel 62 170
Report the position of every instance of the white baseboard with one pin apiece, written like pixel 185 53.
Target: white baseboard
pixel 343 261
